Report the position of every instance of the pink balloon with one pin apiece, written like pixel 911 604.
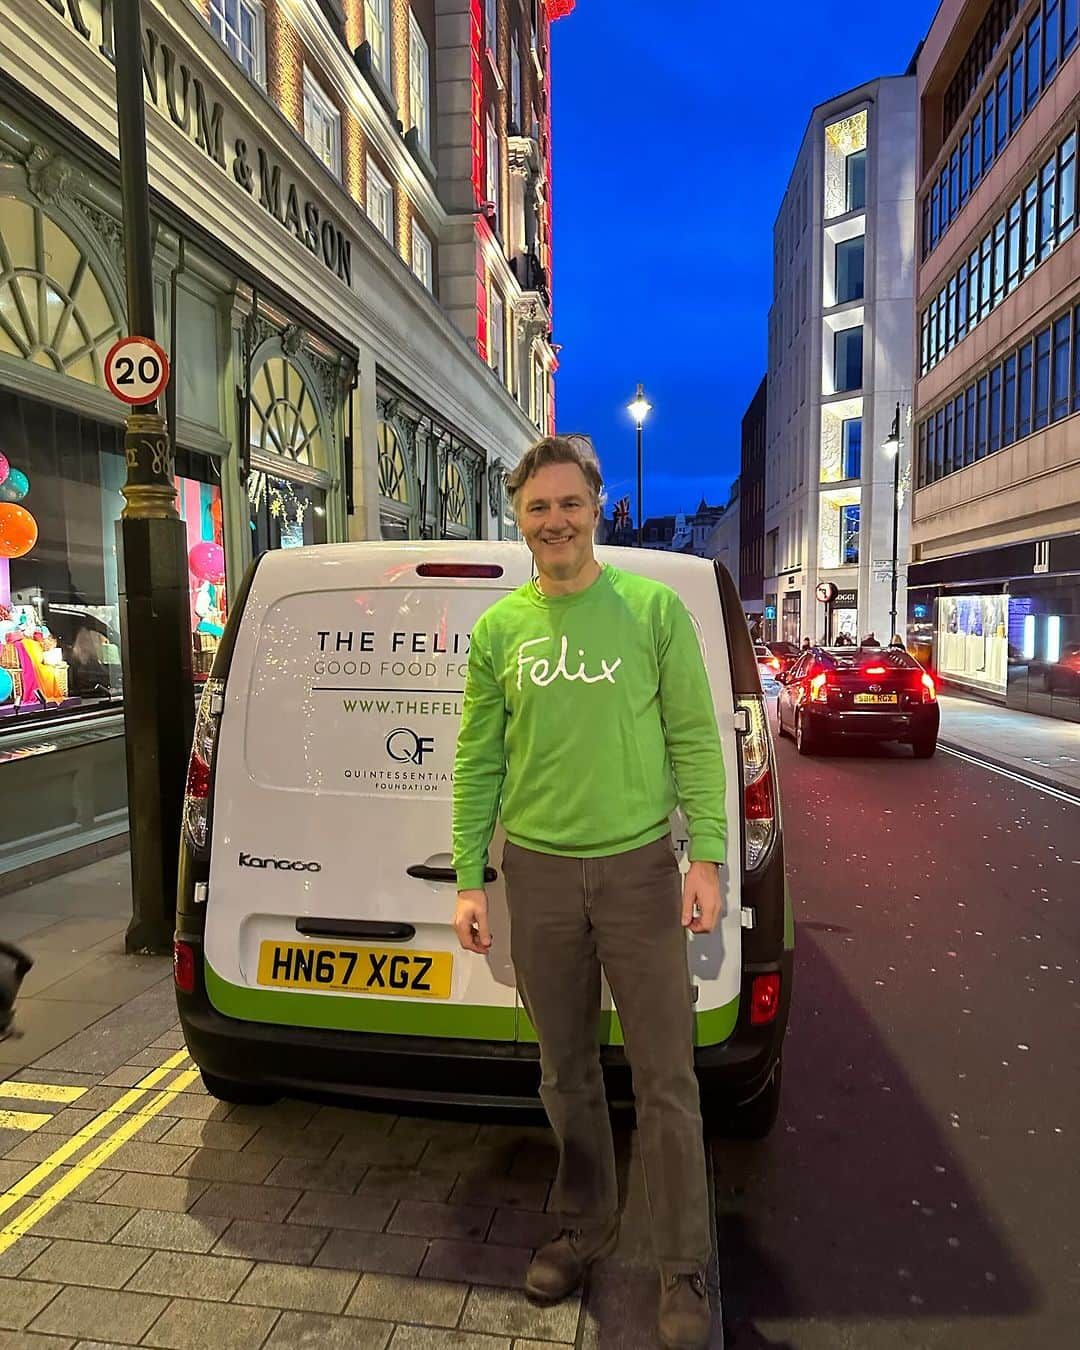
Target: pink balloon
pixel 207 562
pixel 5 467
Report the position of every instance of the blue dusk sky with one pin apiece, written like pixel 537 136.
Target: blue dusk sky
pixel 675 129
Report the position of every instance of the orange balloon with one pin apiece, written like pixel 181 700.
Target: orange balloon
pixel 18 530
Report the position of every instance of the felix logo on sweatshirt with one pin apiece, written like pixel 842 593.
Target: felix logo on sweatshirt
pixel 541 672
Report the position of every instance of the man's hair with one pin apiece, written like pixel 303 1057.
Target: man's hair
pixel 557 450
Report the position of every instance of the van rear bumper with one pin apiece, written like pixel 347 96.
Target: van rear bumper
pixel 314 1062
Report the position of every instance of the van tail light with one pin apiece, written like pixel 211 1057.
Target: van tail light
pixel 764 999
pixel 819 688
pixel 201 766
pixel 183 963
pixel 475 570
pixel 759 782
pixel 929 691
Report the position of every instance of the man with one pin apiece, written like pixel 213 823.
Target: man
pixel 587 718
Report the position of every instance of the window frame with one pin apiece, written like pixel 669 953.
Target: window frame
pixel 859 289
pixel 497 326
pixel 491 27
pixel 493 163
pixel 378 18
pixel 375 178
pixel 849 163
pixel 421 245
pixel 319 102
pixel 258 51
pixel 842 335
pixel 420 100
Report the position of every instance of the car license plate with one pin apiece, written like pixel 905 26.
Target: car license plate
pixel 875 698
pixel 355 970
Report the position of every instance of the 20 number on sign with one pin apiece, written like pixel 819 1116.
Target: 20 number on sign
pixel 136 370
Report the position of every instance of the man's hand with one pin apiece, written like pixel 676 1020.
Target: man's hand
pixel 703 902
pixel 471 921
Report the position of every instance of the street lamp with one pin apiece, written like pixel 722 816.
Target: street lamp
pixel 891 446
pixel 639 408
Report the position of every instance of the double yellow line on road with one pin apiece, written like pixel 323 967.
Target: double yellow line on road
pixel 131 1122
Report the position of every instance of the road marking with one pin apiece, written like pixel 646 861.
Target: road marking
pixel 40 1092
pixel 1059 794
pixel 23 1120
pixel 71 1146
pixel 36 1211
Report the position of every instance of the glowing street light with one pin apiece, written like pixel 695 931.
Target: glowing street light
pixel 639 408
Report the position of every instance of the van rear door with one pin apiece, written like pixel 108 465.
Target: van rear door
pixel 331 896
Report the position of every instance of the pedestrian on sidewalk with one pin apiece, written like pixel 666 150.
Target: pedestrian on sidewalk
pixel 586 702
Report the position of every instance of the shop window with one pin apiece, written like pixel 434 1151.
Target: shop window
pixel 241 27
pixel 457 513
pixel 287 484
pixel 396 514
pixel 54 310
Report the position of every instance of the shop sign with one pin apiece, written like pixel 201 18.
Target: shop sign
pixel 846 600
pixel 187 100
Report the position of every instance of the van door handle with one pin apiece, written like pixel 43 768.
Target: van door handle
pixel 355 928
pixel 425 873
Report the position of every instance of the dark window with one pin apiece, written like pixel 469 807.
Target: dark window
pixel 965 166
pixel 920 464
pixel 931 459
pixel 980 416
pixel 1050 50
pixel 935 219
pixel 1076 361
pixel 1023 393
pixel 961 303
pixel 939 443
pixel 1016 86
pixel 1070 15
pixel 1008 430
pixel 848 359
pixel 949 438
pixel 988 131
pixel 994 436
pixel 1001 112
pixel 976 150
pixel 954 183
pixel 849 270
pixel 969 425
pixel 856 180
pixel 849 534
pixel 1034 60
pixel 1066 205
pixel 851 437
pixel 1042 379
pixel 1060 389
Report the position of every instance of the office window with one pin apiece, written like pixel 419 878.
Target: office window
pixel 847 359
pixel 969 425
pixel 1013 240
pixel 976 149
pixel 849 535
pixel 322 124
pixel 1070 18
pixel 994 431
pixel 422 257
pixel 989 136
pixel 849 270
pixel 491 163
pixel 1016 88
pixel 380 201
pixel 855 168
pixel 491 26
pixel 1050 49
pixel 1042 380
pixel 377 32
pixel 1047 207
pixel 998 293
pixel 981 401
pixel 515 85
pixel 1066 205
pixel 965 166
pixel 1008 402
pixel 1076 361
pixel 959 431
pixel 419 83
pixel 1034 61
pixel 241 26
pixel 1059 406
pixel 851 446
pixel 497 335
pixel 1031 228
pixel 1023 392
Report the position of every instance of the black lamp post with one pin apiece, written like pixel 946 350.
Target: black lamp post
pixel 639 408
pixel 155 630
pixel 891 446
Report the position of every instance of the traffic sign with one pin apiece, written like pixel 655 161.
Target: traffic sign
pixel 825 592
pixel 136 370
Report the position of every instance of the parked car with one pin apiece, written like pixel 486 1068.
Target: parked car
pixel 769 666
pixel 315 951
pixel 876 693
pixel 785 652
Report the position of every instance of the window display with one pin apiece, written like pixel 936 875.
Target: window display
pixel 972 640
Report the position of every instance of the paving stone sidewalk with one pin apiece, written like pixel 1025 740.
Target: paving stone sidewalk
pixel 293 1225
pixel 1044 748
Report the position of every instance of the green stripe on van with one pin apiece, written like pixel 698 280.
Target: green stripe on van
pixel 710 1026
pixel 335 1012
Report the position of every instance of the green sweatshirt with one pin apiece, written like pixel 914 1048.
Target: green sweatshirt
pixel 587 718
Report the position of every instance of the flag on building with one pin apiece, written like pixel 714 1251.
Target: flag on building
pixel 621 514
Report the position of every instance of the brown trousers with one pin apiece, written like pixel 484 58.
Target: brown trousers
pixel 570 918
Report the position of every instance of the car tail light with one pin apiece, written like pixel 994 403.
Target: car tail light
pixel 764 999
pixel 774 663
pixel 929 692
pixel 201 766
pixel 875 670
pixel 183 961
pixel 759 783
pixel 819 688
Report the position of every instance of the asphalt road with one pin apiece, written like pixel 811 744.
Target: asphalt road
pixel 922 1188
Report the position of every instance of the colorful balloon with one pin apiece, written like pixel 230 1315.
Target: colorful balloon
pixel 7 685
pixel 15 486
pixel 18 530
pixel 5 468
pixel 207 562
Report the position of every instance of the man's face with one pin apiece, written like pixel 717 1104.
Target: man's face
pixel 557 517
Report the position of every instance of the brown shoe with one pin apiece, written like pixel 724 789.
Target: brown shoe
pixel 559 1267
pixel 685 1316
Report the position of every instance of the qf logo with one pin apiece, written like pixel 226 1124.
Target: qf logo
pixel 405 745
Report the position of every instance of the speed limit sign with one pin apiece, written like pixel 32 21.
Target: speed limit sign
pixel 136 370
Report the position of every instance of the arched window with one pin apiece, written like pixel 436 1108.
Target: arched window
pixel 54 310
pixel 288 481
pixel 456 501
pixel 397 511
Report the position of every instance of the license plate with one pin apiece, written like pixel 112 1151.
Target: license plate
pixel 875 698
pixel 355 970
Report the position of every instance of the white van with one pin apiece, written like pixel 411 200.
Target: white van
pixel 314 946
